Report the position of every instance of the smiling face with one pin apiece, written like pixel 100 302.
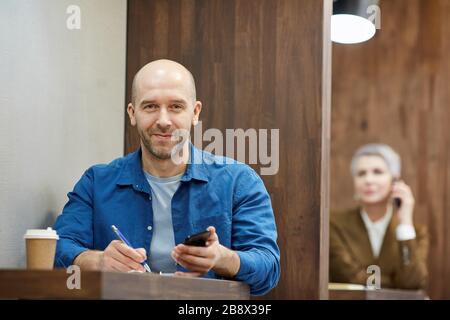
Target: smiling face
pixel 372 180
pixel 163 102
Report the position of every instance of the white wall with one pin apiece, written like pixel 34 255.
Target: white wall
pixel 62 103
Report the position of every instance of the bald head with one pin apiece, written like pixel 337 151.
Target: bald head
pixel 163 73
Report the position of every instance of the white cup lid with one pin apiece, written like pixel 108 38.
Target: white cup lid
pixel 48 233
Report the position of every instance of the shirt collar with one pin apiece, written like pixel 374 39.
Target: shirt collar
pixel 380 224
pixel 133 174
pixel 196 168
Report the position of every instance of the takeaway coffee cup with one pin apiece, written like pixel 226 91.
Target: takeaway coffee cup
pixel 41 247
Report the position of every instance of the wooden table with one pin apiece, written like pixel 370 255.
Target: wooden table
pixel 380 294
pixel 52 284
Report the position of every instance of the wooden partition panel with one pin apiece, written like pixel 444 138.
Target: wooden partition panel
pixel 395 89
pixel 261 64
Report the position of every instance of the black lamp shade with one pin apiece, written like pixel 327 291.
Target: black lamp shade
pixel 355 7
pixel 354 21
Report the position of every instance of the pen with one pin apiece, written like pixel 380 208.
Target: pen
pixel 124 240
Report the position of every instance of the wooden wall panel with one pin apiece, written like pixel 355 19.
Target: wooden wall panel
pixel 395 89
pixel 258 64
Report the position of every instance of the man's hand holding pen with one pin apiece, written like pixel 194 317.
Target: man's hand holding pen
pixel 116 257
pixel 120 257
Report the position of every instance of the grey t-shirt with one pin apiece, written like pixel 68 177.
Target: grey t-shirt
pixel 163 239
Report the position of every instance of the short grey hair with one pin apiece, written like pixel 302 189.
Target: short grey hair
pixel 384 151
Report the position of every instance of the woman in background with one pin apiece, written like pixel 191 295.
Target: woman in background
pixel 380 231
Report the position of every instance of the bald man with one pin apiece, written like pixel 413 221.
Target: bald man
pixel 167 190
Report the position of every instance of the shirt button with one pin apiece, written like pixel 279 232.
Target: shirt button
pixel 149 228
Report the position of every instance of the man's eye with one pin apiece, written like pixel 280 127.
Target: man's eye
pixel 361 173
pixel 177 107
pixel 150 106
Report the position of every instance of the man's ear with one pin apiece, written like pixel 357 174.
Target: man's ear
pixel 197 110
pixel 130 111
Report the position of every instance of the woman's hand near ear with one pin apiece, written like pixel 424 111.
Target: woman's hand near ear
pixel 402 191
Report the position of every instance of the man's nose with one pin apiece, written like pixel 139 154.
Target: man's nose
pixel 164 119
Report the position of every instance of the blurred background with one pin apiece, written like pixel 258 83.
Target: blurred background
pixel 395 89
pixel 61 107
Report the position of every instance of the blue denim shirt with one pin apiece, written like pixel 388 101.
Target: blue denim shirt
pixel 214 191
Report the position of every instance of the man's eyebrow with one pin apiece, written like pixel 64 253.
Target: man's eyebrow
pixel 179 101
pixel 182 101
pixel 147 101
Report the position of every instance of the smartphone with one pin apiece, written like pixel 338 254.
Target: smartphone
pixel 198 239
pixel 397 201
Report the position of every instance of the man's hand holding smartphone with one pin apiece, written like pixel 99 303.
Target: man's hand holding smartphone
pixel 201 259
